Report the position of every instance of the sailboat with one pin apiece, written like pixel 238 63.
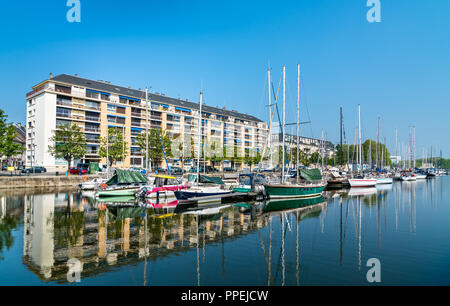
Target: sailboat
pixel 212 189
pixel 361 181
pixel 314 185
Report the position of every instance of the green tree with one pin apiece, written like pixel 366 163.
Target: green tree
pixel 69 143
pixel 113 147
pixel 155 153
pixel 9 147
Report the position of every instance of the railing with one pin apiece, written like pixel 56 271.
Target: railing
pixel 90 118
pixel 63 90
pixel 87 129
pixel 64 115
pixel 64 102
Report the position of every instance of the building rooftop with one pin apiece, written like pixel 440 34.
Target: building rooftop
pixel 139 94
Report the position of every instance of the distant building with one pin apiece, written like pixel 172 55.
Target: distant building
pixel 307 145
pixel 96 106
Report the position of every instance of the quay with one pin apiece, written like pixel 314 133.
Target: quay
pixel 28 182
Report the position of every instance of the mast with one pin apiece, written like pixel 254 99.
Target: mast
pixel 146 128
pixel 298 121
pixel 270 120
pixel 199 137
pixel 284 122
pixel 396 148
pixel 340 155
pixel 378 143
pixel 359 132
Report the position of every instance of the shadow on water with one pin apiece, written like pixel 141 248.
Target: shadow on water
pixel 278 242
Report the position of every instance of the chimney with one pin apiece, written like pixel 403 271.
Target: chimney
pixel 51 75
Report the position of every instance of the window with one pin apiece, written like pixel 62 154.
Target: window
pixel 92 94
pixel 112 108
pixel 92 104
pixel 63 112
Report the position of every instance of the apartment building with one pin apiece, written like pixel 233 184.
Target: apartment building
pixel 96 106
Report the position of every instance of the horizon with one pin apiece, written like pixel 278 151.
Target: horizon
pixel 395 69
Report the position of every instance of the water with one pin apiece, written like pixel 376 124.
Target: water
pixel 325 242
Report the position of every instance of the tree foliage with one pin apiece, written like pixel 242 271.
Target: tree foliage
pixel 113 147
pixel 155 153
pixel 69 143
pixel 8 133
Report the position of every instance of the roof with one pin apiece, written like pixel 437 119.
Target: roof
pixel 139 94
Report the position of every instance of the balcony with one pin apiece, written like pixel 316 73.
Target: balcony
pixel 92 118
pixel 64 115
pixel 63 102
pixel 63 89
pixel 91 129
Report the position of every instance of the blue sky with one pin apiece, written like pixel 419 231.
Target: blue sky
pixel 398 69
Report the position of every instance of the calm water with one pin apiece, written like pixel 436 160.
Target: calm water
pixel 405 225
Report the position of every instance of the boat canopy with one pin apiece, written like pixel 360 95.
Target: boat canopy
pixel 206 179
pixel 126 177
pixel 311 175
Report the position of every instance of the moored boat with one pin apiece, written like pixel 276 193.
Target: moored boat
pixel 362 182
pixel 311 188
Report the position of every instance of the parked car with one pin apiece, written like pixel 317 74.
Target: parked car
pixel 209 169
pixel 34 170
pixel 137 169
pixel 78 171
pixel 228 169
pixel 177 170
pixel 160 170
pixel 4 167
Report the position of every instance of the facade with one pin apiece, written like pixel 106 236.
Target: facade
pixel 307 145
pixel 96 106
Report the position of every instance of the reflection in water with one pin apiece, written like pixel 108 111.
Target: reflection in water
pixel 106 236
pixel 58 227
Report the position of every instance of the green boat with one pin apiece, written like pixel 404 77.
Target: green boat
pixel 312 188
pixel 123 183
pixel 279 205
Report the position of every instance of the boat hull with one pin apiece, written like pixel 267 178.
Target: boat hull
pixel 386 180
pixel 362 182
pixel 117 192
pixel 293 191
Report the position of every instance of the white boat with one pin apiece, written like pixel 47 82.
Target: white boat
pixel 409 178
pixel 384 180
pixel 420 176
pixel 92 185
pixel 365 182
pixel 202 194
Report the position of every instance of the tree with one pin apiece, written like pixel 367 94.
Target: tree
pixel 155 153
pixel 9 147
pixel 3 127
pixel 113 147
pixel 69 143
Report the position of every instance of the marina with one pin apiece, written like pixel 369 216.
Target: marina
pixel 323 240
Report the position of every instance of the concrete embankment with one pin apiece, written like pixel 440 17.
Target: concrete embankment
pixel 43 181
